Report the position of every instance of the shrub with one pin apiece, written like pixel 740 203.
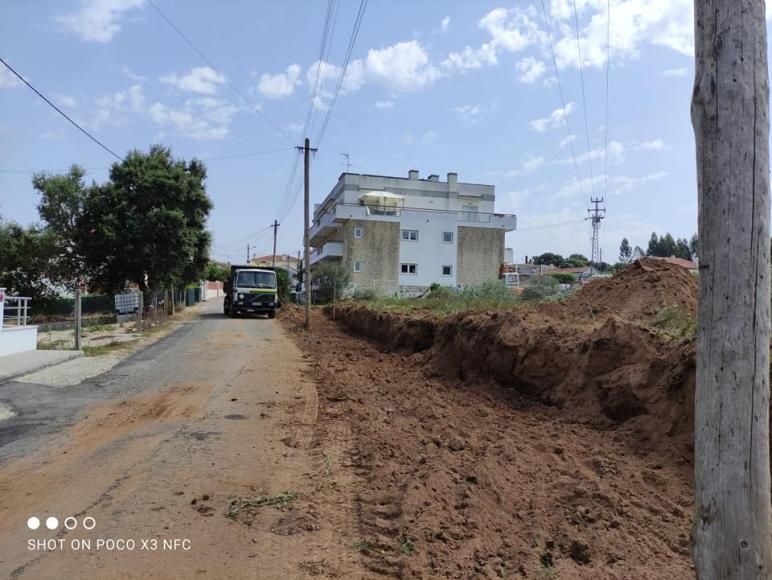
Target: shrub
pixel 364 294
pixel 563 277
pixel 539 288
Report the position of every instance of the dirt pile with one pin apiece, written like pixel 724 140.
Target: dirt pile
pixel 638 293
pixel 460 479
pixel 592 355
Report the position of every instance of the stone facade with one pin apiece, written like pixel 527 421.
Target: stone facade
pixel 480 254
pixel 378 253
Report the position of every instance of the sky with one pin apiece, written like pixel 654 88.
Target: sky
pixel 454 86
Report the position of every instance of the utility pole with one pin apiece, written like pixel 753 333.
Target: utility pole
pixel 306 225
pixel 275 227
pixel 730 116
pixel 595 215
pixel 78 318
pixel 247 253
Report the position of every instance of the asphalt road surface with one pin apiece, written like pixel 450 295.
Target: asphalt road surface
pixel 151 455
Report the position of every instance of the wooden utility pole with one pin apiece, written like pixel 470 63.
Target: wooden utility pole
pixel 306 225
pixel 247 253
pixel 730 115
pixel 78 318
pixel 275 227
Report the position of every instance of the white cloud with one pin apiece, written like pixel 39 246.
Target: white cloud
pixel 530 165
pixel 666 23
pixel 555 119
pixel 98 20
pixel 403 66
pixel 280 85
pixel 653 145
pixel 468 113
pixel 470 58
pixel 203 80
pixel 135 77
pixel 429 138
pixel 530 69
pixel 445 23
pixel 674 72
pixel 7 79
pixel 199 118
pixel 384 104
pixel 66 101
pixel 617 184
pixel 566 141
pixel 295 127
pixel 616 154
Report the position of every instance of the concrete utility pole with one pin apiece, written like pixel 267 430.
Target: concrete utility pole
pixel 247 253
pixel 78 318
pixel 730 116
pixel 306 226
pixel 275 227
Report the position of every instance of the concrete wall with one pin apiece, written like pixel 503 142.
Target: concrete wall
pixel 18 339
pixel 480 254
pixel 377 250
pixel 429 253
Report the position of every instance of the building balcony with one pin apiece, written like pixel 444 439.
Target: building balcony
pixel 325 251
pixel 322 228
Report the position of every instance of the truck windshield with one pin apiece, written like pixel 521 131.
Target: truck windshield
pixel 247 279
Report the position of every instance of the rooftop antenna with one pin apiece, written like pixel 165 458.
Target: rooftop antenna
pixel 348 161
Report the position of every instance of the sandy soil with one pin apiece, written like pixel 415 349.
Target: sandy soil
pixel 458 479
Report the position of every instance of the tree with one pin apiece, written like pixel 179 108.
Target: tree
pixel 563 277
pixel 147 224
pixel 329 278
pixel 638 253
pixel 27 256
pixel 693 246
pixel 216 272
pixel 575 261
pixel 625 252
pixel 653 248
pixel 730 116
pixel 682 249
pixel 548 258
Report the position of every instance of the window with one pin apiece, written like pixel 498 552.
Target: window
pixel 357 266
pixel 358 232
pixel 409 268
pixel 255 279
pixel 447 270
pixel 469 213
pixel 410 235
pixel 447 237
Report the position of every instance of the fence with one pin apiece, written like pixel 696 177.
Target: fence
pixel 16 311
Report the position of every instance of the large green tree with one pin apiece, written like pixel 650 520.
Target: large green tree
pixel 27 260
pixel 146 224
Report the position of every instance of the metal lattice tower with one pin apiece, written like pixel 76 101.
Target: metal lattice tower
pixel 595 214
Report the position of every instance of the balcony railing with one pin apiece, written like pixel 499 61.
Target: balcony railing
pixel 16 311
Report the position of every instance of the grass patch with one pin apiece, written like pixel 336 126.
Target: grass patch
pixel 363 546
pixel 55 345
pixel 103 349
pixel 98 328
pixel 406 545
pixel 244 509
pixel 675 320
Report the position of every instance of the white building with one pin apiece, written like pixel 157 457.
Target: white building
pixel 400 235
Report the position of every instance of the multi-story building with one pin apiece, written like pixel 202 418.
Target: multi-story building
pixel 400 235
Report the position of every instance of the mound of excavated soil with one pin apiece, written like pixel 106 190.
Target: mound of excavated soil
pixel 591 355
pixel 637 293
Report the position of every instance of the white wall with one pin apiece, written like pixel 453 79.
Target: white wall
pixel 18 339
pixel 429 252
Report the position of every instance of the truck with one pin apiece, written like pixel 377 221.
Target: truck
pixel 251 290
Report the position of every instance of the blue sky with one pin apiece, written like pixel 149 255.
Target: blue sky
pixel 436 86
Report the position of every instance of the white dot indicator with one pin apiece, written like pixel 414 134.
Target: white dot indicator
pixel 52 523
pixel 33 523
pixel 70 523
pixel 89 523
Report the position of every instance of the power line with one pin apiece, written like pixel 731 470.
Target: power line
pixel 349 51
pixel 252 106
pixel 562 99
pixel 289 196
pixel 608 59
pixel 584 98
pixel 62 113
pixel 324 45
pixel 207 159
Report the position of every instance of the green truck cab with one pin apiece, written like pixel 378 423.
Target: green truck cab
pixel 251 290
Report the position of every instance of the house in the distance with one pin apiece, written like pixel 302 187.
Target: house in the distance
pixel 688 264
pixel 399 235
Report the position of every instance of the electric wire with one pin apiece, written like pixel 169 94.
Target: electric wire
pixel 349 51
pixel 584 99
pixel 323 48
pixel 570 136
pixel 608 59
pixel 62 113
pixel 253 107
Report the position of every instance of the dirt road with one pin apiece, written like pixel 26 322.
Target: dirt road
pixel 157 450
